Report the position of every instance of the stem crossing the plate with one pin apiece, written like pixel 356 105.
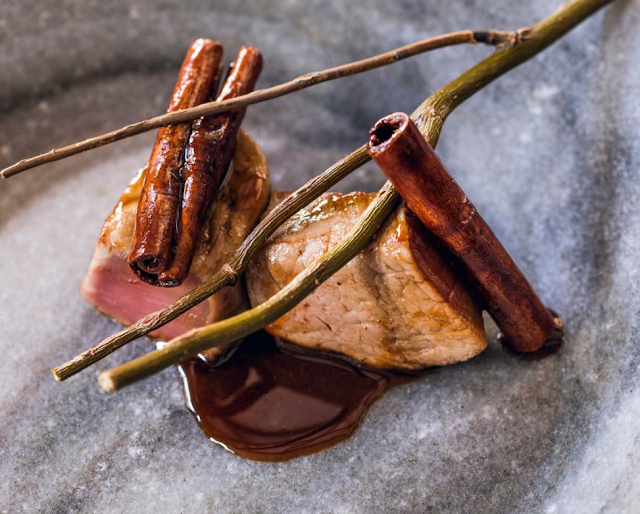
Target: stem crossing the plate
pixel 287 208
pixel 488 37
pixel 429 118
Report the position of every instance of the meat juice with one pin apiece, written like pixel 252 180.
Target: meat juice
pixel 274 402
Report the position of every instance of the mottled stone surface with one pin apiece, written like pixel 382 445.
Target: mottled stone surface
pixel 549 153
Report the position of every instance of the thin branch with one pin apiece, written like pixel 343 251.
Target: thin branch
pixel 429 117
pixel 490 37
pixel 229 272
pixel 299 199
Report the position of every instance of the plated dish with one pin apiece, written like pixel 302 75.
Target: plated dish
pixel 513 240
pixel 409 300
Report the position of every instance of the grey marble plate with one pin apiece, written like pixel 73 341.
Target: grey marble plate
pixel 549 153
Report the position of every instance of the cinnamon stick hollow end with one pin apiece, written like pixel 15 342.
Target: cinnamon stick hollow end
pixel 160 198
pixel 413 167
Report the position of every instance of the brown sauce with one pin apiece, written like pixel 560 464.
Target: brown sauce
pixel 270 402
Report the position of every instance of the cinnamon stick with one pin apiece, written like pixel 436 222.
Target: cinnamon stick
pixel 211 147
pixel 159 201
pixel 405 157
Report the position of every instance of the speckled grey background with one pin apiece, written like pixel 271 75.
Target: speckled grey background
pixel 549 153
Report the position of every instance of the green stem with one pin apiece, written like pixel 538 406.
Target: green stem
pixel 296 201
pixel 429 117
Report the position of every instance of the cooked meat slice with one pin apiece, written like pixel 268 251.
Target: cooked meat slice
pixel 398 304
pixel 111 286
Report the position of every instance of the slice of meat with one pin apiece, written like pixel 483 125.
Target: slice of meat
pixel 112 287
pixel 398 304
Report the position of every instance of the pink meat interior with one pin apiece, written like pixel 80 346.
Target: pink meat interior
pixel 114 290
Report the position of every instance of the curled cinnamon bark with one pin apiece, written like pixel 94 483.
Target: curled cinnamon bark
pixel 211 147
pixel 159 202
pixel 412 166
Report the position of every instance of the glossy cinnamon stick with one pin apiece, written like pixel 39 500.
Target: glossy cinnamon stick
pixel 211 147
pixel 160 198
pixel 412 166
